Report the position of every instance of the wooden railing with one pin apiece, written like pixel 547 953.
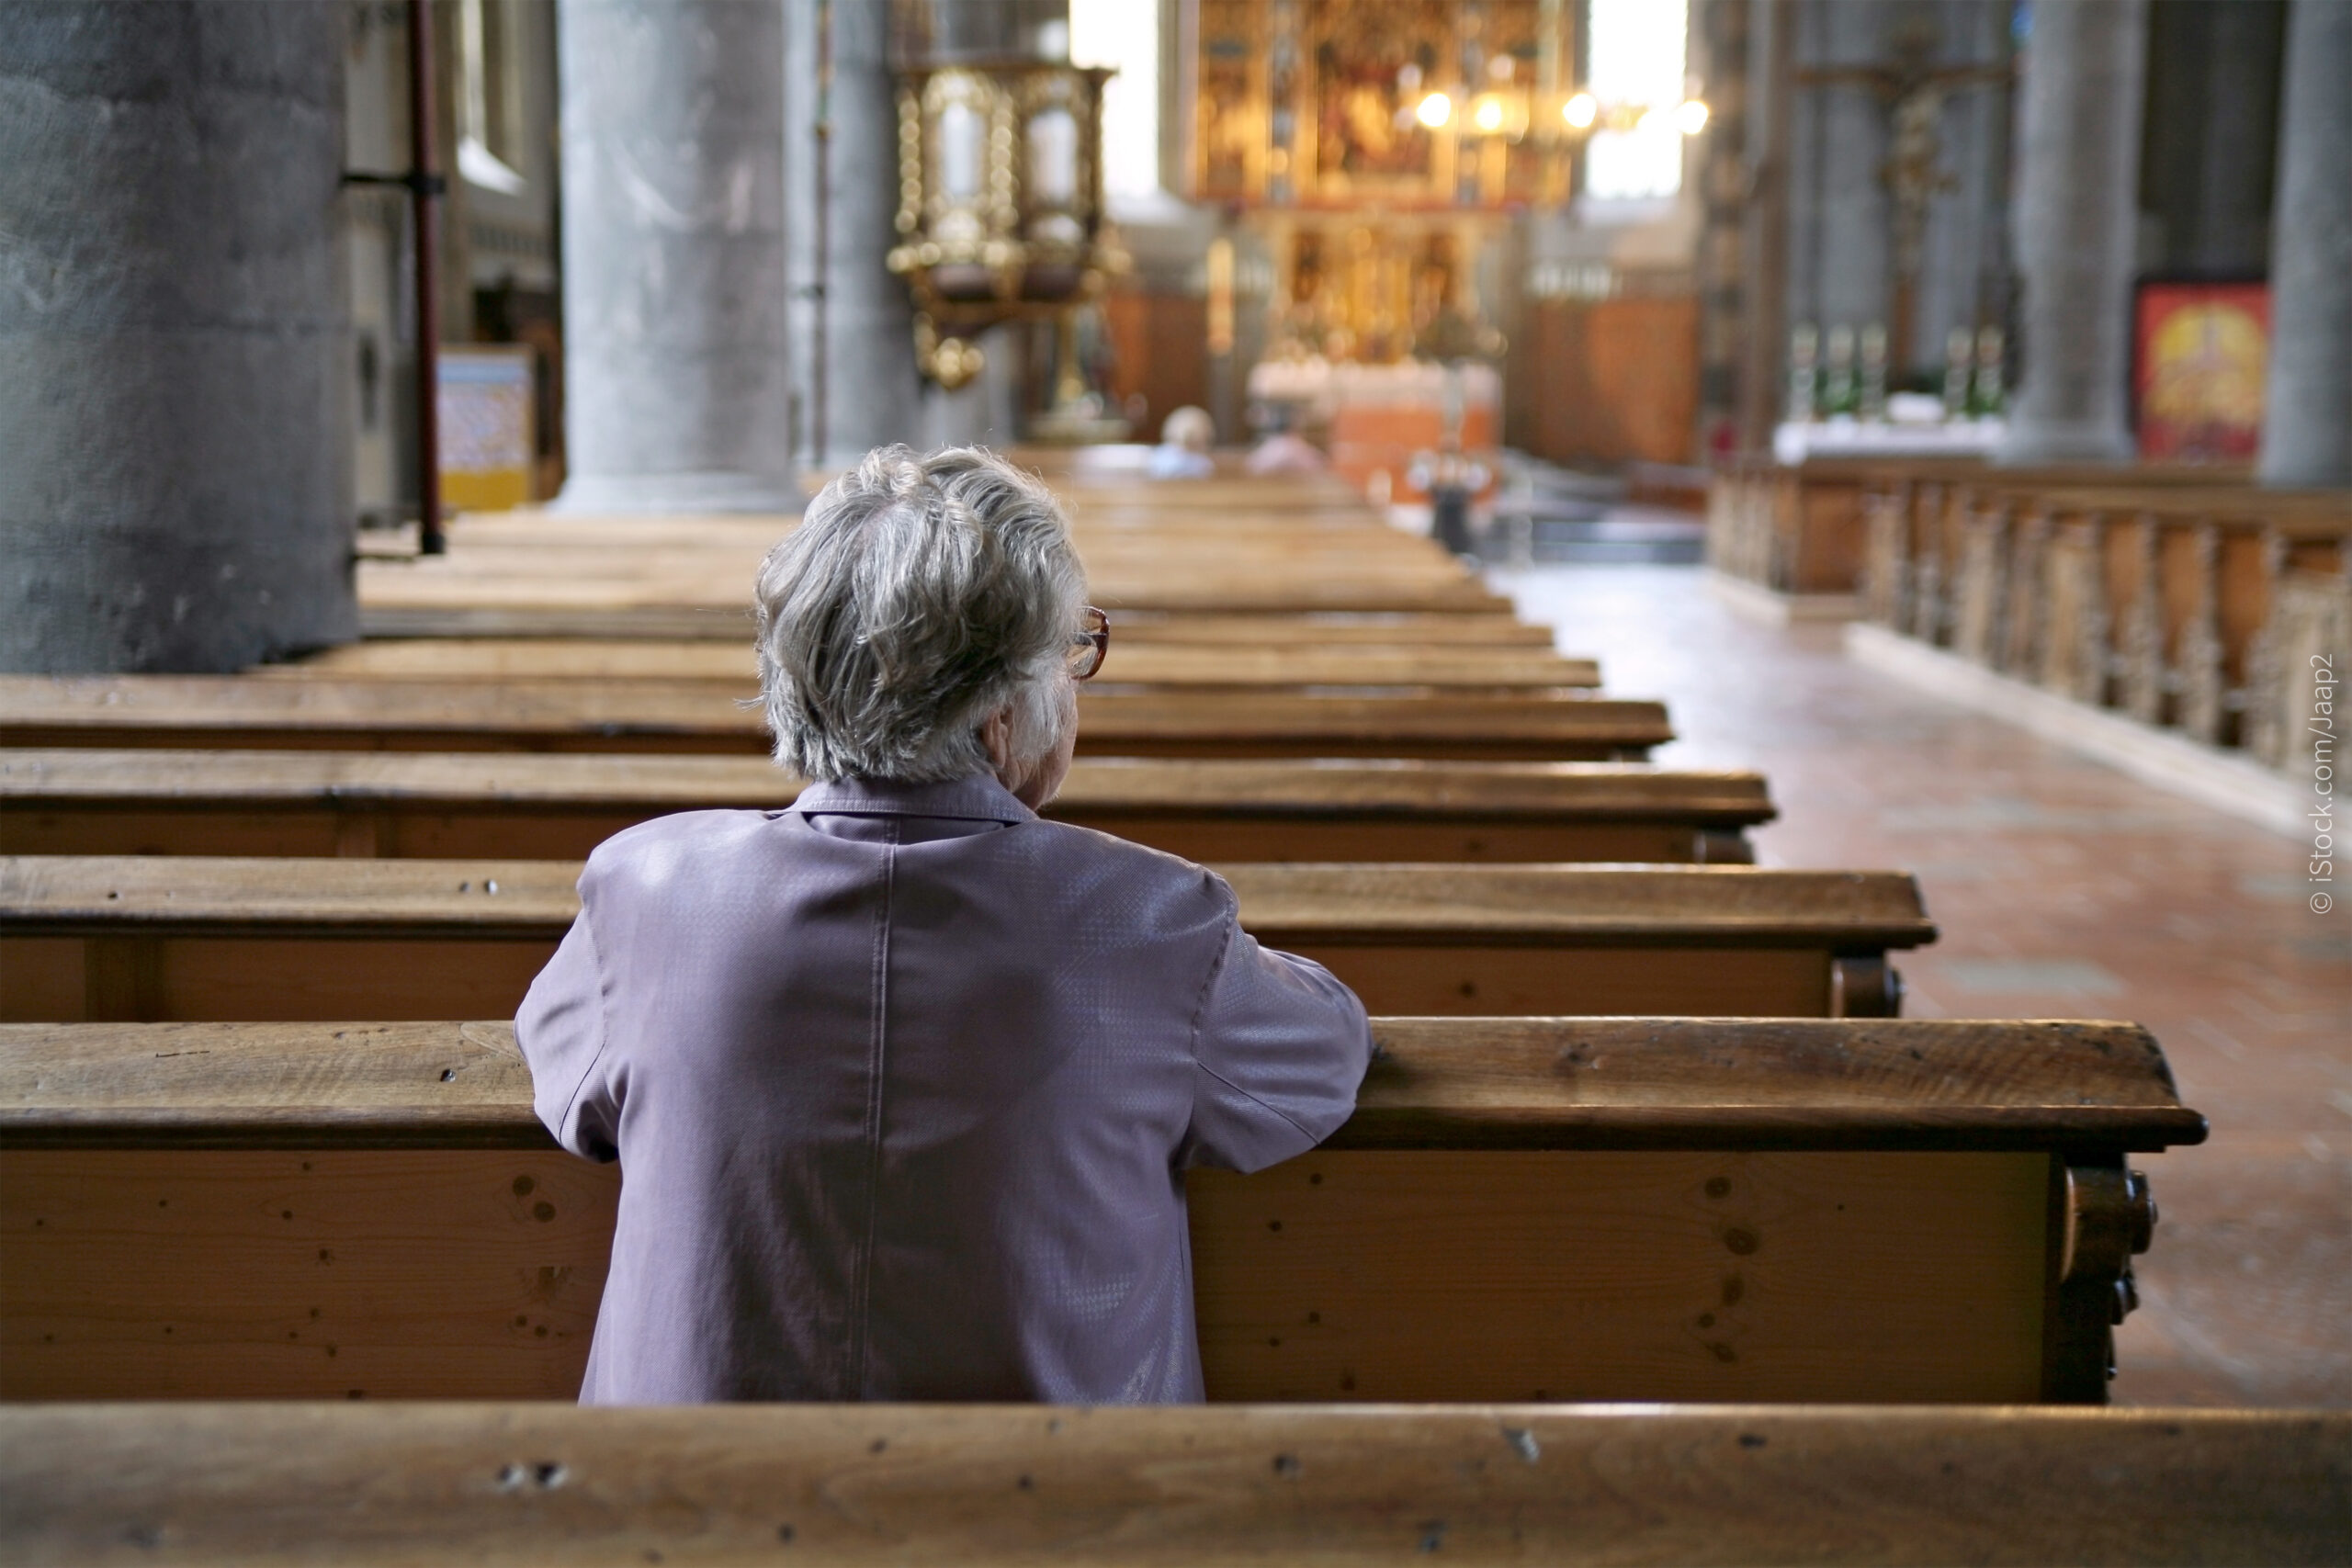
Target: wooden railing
pixel 2192 608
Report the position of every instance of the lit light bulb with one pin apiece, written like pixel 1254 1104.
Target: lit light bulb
pixel 1487 116
pixel 1691 117
pixel 1434 111
pixel 1580 111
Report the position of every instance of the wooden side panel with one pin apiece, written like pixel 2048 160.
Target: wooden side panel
pixel 261 979
pixel 1619 379
pixel 293 1275
pixel 1158 349
pixel 524 834
pixel 264 980
pixel 1502 981
pixel 1342 1275
pixel 1826 555
pixel 1606 1276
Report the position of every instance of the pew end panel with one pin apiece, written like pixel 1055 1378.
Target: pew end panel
pixel 1635 1207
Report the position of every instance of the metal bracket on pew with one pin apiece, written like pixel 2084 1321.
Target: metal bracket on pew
pixel 1864 985
pixel 2106 1216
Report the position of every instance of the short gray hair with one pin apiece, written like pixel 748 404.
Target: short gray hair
pixel 918 596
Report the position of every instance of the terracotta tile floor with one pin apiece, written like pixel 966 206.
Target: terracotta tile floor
pixel 2064 889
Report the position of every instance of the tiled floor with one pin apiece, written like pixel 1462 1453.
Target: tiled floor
pixel 2063 889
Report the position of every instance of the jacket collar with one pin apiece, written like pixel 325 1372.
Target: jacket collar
pixel 977 796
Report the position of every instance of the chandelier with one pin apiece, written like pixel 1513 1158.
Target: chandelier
pixel 1000 201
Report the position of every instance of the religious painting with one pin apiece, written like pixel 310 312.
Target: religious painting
pixel 2201 350
pixel 1375 62
pixel 1414 103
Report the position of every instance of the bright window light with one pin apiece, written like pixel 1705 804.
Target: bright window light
pixel 1124 34
pixel 1638 55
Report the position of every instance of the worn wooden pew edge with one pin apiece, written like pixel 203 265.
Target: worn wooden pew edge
pixel 1336 903
pixel 519 1483
pixel 1517 1083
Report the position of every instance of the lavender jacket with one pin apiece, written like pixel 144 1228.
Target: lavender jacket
pixel 904 1081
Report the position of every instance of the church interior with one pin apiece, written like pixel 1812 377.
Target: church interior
pixel 1765 579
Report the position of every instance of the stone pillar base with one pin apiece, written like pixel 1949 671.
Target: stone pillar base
pixel 587 494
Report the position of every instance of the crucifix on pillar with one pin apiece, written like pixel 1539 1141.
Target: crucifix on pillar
pixel 1912 93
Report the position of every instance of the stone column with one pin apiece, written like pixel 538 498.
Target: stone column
pixel 677 387
pixel 176 348
pixel 854 383
pixel 2077 215
pixel 1837 199
pixel 2307 428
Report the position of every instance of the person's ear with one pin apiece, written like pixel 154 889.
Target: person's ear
pixel 996 737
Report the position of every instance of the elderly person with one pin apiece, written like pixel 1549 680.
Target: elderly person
pixel 904 1079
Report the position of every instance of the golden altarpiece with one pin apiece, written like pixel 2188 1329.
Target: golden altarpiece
pixel 1375 147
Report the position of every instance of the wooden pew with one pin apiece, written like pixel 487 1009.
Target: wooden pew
pixel 649 716
pixel 1237 561
pixel 1519 1208
pixel 196 938
pixel 677 624
pixel 990 1485
pixel 1246 666
pixel 486 805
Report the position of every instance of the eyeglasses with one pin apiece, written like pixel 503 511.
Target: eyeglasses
pixel 1088 648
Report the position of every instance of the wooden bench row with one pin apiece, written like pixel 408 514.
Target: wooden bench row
pixel 1243 664
pixel 523 806
pixel 503 1485
pixel 223 938
pixel 652 716
pixel 1519 1208
pixel 1498 629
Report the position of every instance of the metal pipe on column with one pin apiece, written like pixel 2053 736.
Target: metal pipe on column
pixel 424 189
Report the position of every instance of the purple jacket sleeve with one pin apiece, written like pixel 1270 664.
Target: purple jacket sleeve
pixel 1279 1050
pixel 561 1031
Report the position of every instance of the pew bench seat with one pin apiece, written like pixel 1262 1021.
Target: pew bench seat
pixel 479 805
pixel 1247 666
pixel 193 938
pixel 183 711
pixel 995 1484
pixel 1519 1208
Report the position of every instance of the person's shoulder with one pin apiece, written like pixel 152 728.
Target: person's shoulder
pixel 683 843
pixel 1145 877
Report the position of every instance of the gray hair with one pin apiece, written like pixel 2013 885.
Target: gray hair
pixel 918 596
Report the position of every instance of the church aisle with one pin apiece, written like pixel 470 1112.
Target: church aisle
pixel 2063 889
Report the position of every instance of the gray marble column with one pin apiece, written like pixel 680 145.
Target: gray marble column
pixel 2077 215
pixel 176 351
pixel 854 382
pixel 1852 266
pixel 2307 429
pixel 2213 134
pixel 677 386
